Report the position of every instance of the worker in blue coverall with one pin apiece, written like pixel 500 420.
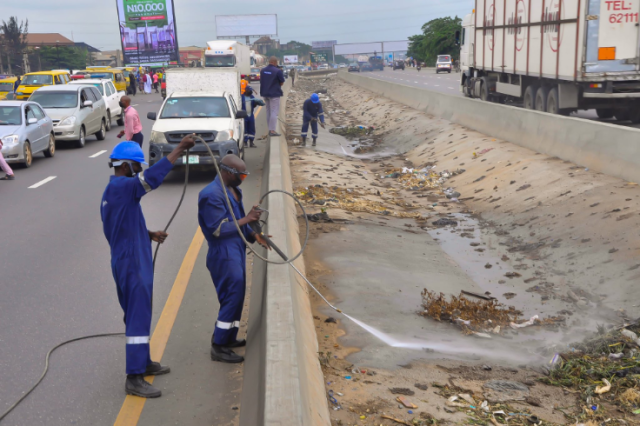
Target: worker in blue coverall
pixel 312 111
pixel 226 258
pixel 249 104
pixel 131 263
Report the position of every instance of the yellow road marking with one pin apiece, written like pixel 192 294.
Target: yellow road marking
pixel 258 110
pixel 132 406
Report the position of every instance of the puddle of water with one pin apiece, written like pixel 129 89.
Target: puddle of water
pixel 456 242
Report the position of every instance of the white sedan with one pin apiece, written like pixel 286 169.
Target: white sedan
pixel 110 95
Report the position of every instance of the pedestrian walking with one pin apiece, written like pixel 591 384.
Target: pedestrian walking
pixel 271 81
pixel 155 82
pixel 140 78
pixel 5 167
pixel 132 126
pixel 131 262
pixel 133 83
pixel 147 84
pixel 249 104
pixel 292 74
pixel 312 111
pixel 16 84
pixel 227 258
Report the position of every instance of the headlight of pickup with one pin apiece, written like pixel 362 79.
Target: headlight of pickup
pixel 224 135
pixel 10 140
pixel 69 121
pixel 158 137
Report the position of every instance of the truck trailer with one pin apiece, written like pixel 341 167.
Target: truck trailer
pixel 556 56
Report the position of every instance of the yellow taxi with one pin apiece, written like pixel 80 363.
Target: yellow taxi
pixel 114 74
pixel 127 71
pixel 6 86
pixel 34 80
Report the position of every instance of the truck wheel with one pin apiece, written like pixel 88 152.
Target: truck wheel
pixel 553 103
pixel 484 91
pixel 604 112
pixel 530 97
pixel 541 99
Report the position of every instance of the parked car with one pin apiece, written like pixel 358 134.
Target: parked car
pixel 76 110
pixel 111 98
pixel 443 64
pixel 25 130
pixel 255 74
pixel 354 68
pixel 398 65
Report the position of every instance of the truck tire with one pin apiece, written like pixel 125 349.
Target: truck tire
pixel 530 97
pixel 484 91
pixel 541 99
pixel 604 112
pixel 553 103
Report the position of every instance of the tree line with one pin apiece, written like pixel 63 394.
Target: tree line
pixel 14 47
pixel 438 38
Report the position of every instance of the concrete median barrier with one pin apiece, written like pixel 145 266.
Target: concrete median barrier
pixel 290 384
pixel 603 147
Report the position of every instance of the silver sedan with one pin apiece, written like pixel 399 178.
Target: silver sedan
pixel 25 130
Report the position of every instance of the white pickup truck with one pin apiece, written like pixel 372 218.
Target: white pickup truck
pixel 204 101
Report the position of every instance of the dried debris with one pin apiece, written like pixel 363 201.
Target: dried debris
pixel 478 317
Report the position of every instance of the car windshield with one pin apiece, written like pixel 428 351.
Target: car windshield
pixel 107 75
pixel 99 86
pixel 36 80
pixel 220 61
pixel 444 58
pixel 197 107
pixel 56 99
pixel 6 87
pixel 10 115
pixel 255 70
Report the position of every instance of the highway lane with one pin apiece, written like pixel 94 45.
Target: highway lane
pixel 56 282
pixel 447 83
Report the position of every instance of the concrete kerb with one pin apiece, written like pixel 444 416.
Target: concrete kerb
pixel 294 383
pixel 603 147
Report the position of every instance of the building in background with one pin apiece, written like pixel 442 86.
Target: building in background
pixel 264 44
pixel 191 54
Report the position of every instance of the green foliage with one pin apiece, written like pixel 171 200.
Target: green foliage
pixel 63 57
pixel 14 41
pixel 437 38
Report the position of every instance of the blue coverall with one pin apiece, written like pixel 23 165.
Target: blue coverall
pixel 226 258
pixel 311 110
pixel 131 263
pixel 250 121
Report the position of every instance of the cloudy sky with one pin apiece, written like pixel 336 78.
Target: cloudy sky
pixel 96 21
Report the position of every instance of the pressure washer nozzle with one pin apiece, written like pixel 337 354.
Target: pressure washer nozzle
pixel 338 310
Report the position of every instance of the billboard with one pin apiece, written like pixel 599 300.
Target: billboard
pixel 323 44
pixel 291 59
pixel 318 58
pixel 148 32
pixel 246 25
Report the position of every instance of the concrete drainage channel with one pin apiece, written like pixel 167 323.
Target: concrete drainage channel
pixel 603 147
pixel 283 384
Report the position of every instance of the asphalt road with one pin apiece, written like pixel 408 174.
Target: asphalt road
pixel 449 83
pixel 56 284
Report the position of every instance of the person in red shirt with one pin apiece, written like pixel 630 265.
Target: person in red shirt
pixel 155 82
pixel 132 126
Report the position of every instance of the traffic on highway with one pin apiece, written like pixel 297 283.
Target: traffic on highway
pixel 303 216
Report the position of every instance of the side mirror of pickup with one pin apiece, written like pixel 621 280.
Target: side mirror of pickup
pixel 241 114
pixel 152 116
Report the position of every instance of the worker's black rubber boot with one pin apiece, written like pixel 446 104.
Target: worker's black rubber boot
pixel 237 344
pixel 252 145
pixel 155 369
pixel 138 386
pixel 246 143
pixel 314 142
pixel 222 354
pixel 304 141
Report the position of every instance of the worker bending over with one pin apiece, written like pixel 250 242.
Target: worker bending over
pixel 312 111
pixel 131 263
pixel 249 104
pixel 226 258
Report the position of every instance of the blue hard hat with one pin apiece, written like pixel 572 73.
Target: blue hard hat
pixel 315 98
pixel 128 150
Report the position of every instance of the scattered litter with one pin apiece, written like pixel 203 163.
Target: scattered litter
pixel 404 401
pixel 603 389
pixel 402 422
pixel 512 275
pixel 421 386
pixel 531 321
pixel 505 390
pixel 331 320
pixel 479 296
pixel 347 377
pixel 402 391
pixel 451 402
pixel 445 222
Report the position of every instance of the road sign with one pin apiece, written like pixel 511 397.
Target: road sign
pixel 319 57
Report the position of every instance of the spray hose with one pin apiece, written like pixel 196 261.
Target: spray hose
pixel 255 226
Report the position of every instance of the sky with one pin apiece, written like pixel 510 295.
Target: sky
pixel 95 22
